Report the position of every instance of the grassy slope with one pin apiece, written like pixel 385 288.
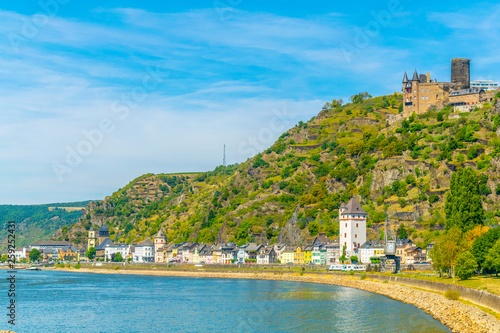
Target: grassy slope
pixel 403 170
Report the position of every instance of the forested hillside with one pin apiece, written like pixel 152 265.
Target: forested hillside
pixel 38 222
pixel 292 190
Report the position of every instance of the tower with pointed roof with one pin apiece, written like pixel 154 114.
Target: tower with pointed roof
pixel 160 240
pixel 352 226
pixel 103 233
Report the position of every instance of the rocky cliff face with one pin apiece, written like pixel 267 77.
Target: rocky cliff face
pixel 397 167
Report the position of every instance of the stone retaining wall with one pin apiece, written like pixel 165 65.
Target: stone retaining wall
pixel 479 297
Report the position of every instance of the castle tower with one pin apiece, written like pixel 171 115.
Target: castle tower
pixel 460 72
pixel 160 240
pixel 352 228
pixel 91 241
pixel 103 233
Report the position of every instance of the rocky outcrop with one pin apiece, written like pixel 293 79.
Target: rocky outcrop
pixel 290 234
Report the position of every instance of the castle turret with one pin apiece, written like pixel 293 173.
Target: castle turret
pixel 415 76
pixel 405 79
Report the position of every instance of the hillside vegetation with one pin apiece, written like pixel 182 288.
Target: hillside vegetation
pixel 292 190
pixel 38 222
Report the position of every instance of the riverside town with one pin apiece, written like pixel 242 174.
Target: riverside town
pixel 246 166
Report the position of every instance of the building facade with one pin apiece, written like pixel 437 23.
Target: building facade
pixel 352 227
pixel 421 93
pixel 487 85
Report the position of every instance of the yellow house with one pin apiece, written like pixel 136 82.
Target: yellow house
pixel 308 254
pixel 298 256
pixel 287 255
pixel 69 254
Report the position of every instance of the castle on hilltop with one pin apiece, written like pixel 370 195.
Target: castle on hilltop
pixel 422 93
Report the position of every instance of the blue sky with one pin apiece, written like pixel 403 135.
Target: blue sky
pixel 94 94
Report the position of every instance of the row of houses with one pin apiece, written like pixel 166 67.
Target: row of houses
pixel 105 251
pixel 51 250
pixel 320 252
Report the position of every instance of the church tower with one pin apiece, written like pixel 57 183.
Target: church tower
pixel 103 233
pixel 352 228
pixel 91 241
pixel 160 240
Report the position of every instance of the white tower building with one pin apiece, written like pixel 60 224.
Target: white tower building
pixel 352 231
pixel 160 240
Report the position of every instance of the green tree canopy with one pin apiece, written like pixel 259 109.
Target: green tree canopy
pixel 465 265
pixel 483 244
pixel 493 258
pixel 464 207
pixel 118 257
pixel 4 258
pixel 446 250
pixel 91 253
pixel 35 255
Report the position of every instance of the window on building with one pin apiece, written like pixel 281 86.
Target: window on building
pixel 345 235
pixel 355 236
pixel 427 89
pixel 421 90
pixel 346 225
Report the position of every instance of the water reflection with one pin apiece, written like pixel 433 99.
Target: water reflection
pixel 71 302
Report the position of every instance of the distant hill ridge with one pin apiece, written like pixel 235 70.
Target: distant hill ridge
pixel 38 222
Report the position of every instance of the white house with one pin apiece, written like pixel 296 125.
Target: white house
pixel 144 252
pixel 22 252
pixel 113 249
pixel 352 231
pixel 371 249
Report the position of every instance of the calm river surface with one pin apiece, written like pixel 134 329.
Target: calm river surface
pixel 72 302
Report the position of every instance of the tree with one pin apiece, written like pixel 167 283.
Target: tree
pixel 354 259
pixel 465 265
pixel 91 252
pixel 446 250
pixel 402 234
pixel 483 244
pixel 343 258
pixel 118 257
pixel 463 206
pixel 493 258
pixel 4 258
pixel 35 255
pixel 313 228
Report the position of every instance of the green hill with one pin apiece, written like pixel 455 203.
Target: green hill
pixel 394 166
pixel 38 222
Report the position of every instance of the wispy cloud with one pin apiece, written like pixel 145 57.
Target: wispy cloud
pixel 225 81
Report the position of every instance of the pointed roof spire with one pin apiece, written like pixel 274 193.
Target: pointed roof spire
pixel 405 79
pixel 415 76
pixel 160 234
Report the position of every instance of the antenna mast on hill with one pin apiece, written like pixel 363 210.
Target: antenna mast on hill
pixel 224 160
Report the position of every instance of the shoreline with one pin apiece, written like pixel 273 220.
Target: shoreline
pixel 457 316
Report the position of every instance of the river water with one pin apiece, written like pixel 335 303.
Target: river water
pixel 75 302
